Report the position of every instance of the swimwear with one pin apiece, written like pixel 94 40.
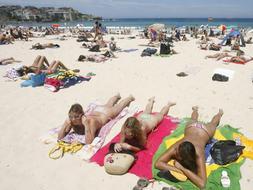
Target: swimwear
pixel 145 116
pixel 200 126
pixel 100 109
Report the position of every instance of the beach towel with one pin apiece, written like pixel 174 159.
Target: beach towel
pixel 128 50
pixel 229 61
pixel 142 166
pixel 87 151
pixel 225 132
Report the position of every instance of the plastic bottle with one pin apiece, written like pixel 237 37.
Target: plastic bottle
pixel 225 181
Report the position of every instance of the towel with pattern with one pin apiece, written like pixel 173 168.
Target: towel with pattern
pixel 90 149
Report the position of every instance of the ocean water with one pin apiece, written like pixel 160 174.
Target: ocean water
pixel 143 22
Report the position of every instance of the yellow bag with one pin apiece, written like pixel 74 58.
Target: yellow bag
pixel 64 147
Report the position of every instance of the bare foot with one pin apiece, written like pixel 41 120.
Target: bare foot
pixel 152 99
pixel 221 112
pixel 195 108
pixel 132 97
pixel 118 95
pixel 171 104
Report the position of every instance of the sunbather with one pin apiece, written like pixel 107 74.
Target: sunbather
pixel 240 59
pixel 41 64
pixel 189 152
pixel 8 61
pixel 92 123
pixel 97 57
pixel 135 130
pixel 214 47
pixel 43 46
pixel 219 56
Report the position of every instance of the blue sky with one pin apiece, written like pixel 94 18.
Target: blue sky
pixel 150 8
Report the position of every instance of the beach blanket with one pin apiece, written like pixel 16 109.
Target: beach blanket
pixel 213 170
pixel 142 166
pixel 229 61
pixel 88 150
pixel 128 50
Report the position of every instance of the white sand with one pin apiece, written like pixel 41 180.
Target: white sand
pixel 27 113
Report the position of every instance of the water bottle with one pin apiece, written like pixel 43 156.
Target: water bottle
pixel 225 181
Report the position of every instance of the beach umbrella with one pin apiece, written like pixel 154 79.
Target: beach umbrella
pixel 157 26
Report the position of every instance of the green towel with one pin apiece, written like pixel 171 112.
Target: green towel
pixel 213 180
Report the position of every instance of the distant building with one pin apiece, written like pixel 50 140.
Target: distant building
pixel 44 14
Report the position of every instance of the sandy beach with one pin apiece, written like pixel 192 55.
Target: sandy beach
pixel 28 113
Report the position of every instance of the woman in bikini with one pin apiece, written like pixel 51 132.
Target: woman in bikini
pixel 189 153
pixel 7 61
pixel 41 64
pixel 241 59
pixel 90 124
pixel 219 56
pixel 135 130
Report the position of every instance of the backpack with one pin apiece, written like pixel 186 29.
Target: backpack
pixel 219 77
pixel 165 48
pixel 225 151
pixel 94 48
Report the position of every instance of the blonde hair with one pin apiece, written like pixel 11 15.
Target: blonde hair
pixel 134 126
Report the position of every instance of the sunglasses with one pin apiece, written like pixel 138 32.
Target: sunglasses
pixel 75 116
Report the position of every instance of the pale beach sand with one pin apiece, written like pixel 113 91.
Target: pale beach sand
pixel 27 113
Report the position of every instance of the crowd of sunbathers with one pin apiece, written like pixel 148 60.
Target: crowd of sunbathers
pixel 188 153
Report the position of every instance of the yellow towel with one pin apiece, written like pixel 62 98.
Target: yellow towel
pixel 212 167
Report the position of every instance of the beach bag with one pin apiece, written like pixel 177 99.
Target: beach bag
pixel 62 147
pixel 148 52
pixel 164 48
pixel 94 48
pixel 219 77
pixel 118 163
pixel 225 151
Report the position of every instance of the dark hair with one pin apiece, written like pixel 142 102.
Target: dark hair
pixel 24 70
pixel 187 153
pixel 81 58
pixel 77 108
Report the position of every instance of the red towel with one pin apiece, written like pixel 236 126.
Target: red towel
pixel 143 166
pixel 228 61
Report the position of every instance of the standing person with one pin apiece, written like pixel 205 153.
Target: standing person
pixel 189 153
pixel 97 28
pixel 92 123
